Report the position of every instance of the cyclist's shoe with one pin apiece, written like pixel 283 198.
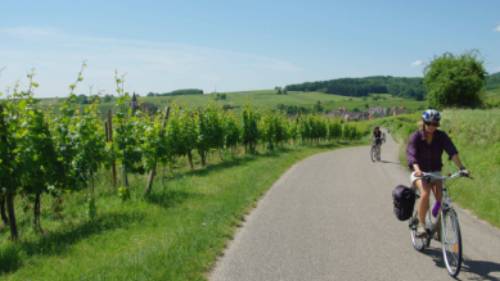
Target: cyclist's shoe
pixel 421 231
pixel 464 173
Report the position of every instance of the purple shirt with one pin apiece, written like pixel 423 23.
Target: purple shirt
pixel 428 156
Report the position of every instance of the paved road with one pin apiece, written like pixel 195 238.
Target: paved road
pixel 330 218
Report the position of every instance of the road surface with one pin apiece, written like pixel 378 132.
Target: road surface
pixel 330 218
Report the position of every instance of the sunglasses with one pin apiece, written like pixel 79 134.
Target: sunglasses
pixel 435 124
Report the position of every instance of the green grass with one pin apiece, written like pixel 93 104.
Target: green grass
pixel 492 98
pixel 176 234
pixel 476 133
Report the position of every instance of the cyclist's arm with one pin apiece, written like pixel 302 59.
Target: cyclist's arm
pixel 448 145
pixel 417 170
pixel 411 153
pixel 452 151
pixel 457 162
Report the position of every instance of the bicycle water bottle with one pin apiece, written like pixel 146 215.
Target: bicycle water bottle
pixel 436 207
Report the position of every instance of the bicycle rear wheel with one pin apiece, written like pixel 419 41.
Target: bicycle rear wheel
pixel 451 242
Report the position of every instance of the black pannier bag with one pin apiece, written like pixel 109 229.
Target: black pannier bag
pixel 403 198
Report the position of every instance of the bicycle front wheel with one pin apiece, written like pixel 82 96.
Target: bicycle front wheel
pixel 451 240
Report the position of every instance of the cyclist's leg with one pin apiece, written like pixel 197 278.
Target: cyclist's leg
pixel 423 204
pixel 437 189
pixel 379 146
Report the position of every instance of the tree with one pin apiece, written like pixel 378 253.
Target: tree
pixel 455 80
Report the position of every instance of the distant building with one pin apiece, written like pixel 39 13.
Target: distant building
pixel 370 113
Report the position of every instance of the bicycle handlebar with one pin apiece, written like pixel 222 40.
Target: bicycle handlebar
pixel 460 173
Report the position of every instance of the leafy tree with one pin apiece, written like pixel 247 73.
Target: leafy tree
pixel 455 80
pixel 361 87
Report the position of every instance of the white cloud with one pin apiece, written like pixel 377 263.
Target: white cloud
pixel 150 65
pixel 417 63
pixel 497 28
pixel 23 32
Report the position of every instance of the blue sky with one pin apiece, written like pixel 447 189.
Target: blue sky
pixel 234 45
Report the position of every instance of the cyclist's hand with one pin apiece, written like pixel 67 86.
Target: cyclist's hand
pixel 465 173
pixel 418 173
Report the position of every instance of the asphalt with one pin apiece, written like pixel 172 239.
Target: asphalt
pixel 329 217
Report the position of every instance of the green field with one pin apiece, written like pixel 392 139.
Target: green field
pixel 268 99
pixel 492 97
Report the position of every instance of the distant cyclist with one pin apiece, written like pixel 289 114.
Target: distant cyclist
pixel 424 151
pixel 378 136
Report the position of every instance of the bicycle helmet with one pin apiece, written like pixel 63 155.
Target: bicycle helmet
pixel 431 115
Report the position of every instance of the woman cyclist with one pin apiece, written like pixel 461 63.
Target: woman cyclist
pixel 424 151
pixel 377 136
